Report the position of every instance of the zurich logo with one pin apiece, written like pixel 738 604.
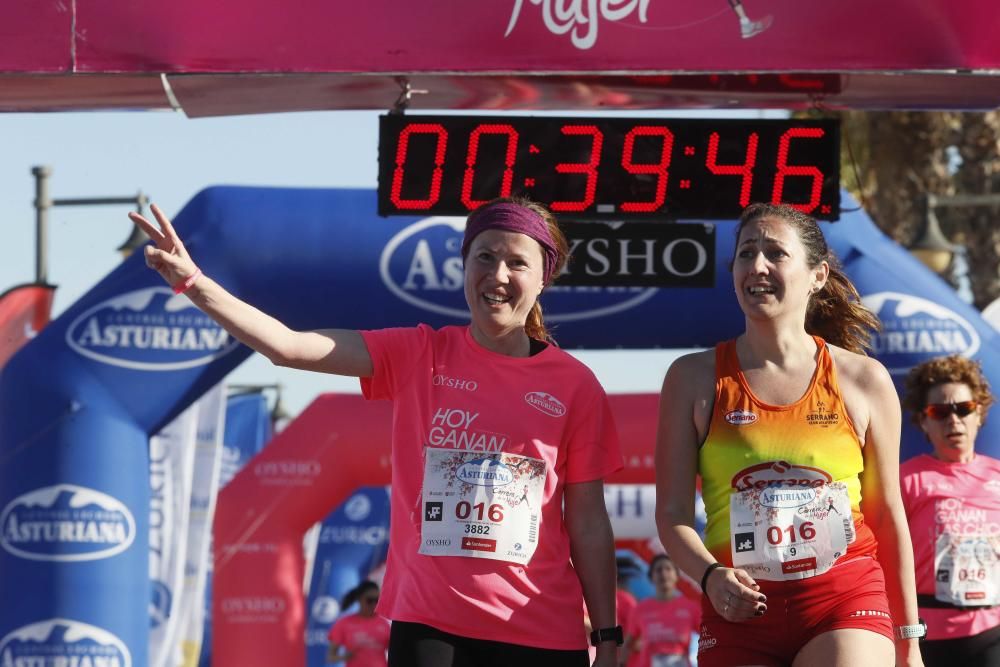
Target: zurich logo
pixel 358 507
pixel 422 266
pixel 485 472
pixel 325 609
pixel 60 641
pixel 150 329
pixel 66 523
pixel 161 600
pixel 915 329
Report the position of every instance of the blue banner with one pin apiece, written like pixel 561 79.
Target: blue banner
pixel 80 400
pixel 353 540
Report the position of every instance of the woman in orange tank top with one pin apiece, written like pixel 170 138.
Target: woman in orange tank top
pixel 795 433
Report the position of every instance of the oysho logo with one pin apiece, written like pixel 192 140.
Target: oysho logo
pixel 454 383
pixel 66 523
pixel 915 329
pixel 253 609
pixel 150 329
pixel 485 472
pixel 741 417
pixel 288 472
pixel 546 403
pixel 63 642
pixel 422 266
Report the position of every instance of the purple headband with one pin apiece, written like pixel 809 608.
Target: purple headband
pixel 513 218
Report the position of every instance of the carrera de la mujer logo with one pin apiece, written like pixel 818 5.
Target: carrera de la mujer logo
pixel 149 329
pixel 422 266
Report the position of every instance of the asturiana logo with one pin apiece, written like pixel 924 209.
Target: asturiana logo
pixel 741 417
pixel 150 329
pixel 915 329
pixel 545 403
pixel 422 266
pixel 65 522
pixel 485 472
pixel 63 642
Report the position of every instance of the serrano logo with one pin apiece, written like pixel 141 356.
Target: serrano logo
pixel 546 403
pixel 149 329
pixel 66 523
pixel 741 417
pixel 915 329
pixel 60 641
pixel 422 266
pixel 780 475
pixel 485 472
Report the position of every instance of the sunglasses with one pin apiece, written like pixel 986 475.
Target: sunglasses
pixel 370 599
pixel 941 411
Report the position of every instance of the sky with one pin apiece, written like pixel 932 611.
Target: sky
pixel 170 158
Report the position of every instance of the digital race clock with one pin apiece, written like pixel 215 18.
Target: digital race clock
pixel 608 168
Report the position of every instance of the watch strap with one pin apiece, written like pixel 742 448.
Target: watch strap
pixel 608 634
pixel 917 631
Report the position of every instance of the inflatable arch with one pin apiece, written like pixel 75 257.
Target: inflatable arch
pixel 78 403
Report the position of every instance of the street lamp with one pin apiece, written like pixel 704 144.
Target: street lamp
pixel 932 247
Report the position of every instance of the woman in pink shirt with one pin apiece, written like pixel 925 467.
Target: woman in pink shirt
pixel 501 442
pixel 661 627
pixel 363 636
pixel 952 500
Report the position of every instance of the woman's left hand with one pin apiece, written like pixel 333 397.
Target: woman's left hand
pixel 607 655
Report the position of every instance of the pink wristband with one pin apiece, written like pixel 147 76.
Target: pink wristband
pixel 182 286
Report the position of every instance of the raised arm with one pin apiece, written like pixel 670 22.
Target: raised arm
pixel 881 499
pixel 686 401
pixel 337 351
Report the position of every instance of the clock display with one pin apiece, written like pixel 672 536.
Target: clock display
pixel 608 168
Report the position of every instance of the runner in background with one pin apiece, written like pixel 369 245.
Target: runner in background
pixel 794 431
pixel 500 445
pixel 363 636
pixel 660 629
pixel 952 500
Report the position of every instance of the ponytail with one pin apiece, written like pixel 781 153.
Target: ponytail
pixel 836 313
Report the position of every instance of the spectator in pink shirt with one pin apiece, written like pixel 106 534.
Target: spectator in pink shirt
pixel 952 501
pixel 363 636
pixel 501 443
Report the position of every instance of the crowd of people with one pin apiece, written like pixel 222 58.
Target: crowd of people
pixel 793 431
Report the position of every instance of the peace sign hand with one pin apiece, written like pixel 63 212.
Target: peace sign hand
pixel 169 258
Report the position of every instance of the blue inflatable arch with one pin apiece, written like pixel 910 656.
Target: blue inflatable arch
pixel 78 404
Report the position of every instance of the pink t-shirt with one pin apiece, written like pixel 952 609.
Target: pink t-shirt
pixel 664 627
pixel 451 393
pixel 961 499
pixel 366 637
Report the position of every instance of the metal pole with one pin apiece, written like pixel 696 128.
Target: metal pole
pixel 42 205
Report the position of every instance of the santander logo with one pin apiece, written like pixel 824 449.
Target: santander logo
pixel 741 417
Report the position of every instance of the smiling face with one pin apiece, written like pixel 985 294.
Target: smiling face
pixel 503 278
pixel 954 437
pixel 771 274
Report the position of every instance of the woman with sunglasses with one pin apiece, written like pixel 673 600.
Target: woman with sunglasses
pixel 360 639
pixel 661 627
pixel 952 500
pixel 794 431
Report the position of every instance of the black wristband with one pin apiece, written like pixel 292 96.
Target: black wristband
pixel 614 634
pixel 704 577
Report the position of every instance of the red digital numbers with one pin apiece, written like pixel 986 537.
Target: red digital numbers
pixel 397 174
pixel 785 169
pixel 659 168
pixel 589 168
pixel 745 170
pixel 472 157
pixel 464 509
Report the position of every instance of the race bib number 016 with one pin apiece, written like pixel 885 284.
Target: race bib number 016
pixel 783 533
pixel 967 572
pixel 481 505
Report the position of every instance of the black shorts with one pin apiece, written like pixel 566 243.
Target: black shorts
pixel 982 650
pixel 418 645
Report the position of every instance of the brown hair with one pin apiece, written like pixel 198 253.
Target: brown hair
pixel 834 313
pixel 942 370
pixel 534 325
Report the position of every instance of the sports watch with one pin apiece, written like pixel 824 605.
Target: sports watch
pixel 606 635
pixel 918 631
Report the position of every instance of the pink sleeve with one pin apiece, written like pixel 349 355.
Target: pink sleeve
pixel 593 452
pixel 336 635
pixel 394 353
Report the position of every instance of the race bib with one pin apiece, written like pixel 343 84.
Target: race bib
pixel 780 533
pixel 966 570
pixel 481 505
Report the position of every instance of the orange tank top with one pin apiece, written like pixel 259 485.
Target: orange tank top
pixel 750 442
